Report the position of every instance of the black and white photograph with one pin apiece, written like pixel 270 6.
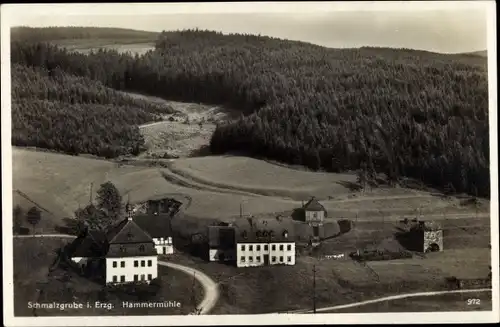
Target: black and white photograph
pixel 249 163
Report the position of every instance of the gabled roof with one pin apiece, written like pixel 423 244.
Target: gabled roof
pixel 156 226
pixel 90 245
pixel 127 231
pixel 264 231
pixel 314 205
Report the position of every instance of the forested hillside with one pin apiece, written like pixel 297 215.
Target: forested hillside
pixel 396 111
pixel 54 110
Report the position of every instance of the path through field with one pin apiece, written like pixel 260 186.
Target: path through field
pixel 210 287
pixel 392 298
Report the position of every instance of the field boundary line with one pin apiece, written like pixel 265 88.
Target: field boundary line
pixel 394 297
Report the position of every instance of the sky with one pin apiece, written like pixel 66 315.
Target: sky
pixel 449 29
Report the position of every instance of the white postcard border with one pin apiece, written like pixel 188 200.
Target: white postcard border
pixel 8 14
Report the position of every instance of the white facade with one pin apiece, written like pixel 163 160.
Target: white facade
pixel 164 245
pixel 130 269
pixel 315 216
pixel 216 254
pixel 260 254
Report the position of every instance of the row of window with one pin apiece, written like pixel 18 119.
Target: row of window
pixel 136 263
pixel 257 259
pixel 136 278
pixel 266 247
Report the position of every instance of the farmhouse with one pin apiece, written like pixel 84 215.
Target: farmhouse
pixel 221 243
pixel 314 212
pixel 123 254
pixel 264 242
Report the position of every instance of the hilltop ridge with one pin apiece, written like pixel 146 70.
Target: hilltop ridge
pixel 397 112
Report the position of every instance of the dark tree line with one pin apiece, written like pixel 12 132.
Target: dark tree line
pixel 394 111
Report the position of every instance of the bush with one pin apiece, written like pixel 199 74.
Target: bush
pixel 379 256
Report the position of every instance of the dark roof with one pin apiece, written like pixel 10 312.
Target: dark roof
pixel 221 237
pixel 117 250
pixel 90 245
pixel 314 205
pixel 156 226
pixel 127 231
pixel 264 231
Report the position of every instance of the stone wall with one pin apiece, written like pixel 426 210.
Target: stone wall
pixel 431 237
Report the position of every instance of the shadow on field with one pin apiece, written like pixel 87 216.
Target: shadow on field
pixel 203 151
pixel 298 214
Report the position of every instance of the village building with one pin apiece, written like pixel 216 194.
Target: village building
pixel 314 212
pixel 264 242
pixel 426 236
pixel 221 243
pixel 160 229
pixel 123 254
pixel 315 215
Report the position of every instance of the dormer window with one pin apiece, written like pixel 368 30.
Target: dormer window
pixel 244 234
pixel 285 234
pixel 122 248
pixel 129 236
pixel 141 248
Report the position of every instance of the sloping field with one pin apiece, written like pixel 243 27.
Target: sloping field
pixel 261 177
pixel 62 183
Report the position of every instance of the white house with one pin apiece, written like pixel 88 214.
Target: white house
pixel 314 212
pixel 264 242
pixel 125 253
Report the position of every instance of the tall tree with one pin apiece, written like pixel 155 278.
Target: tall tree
pixel 109 201
pixel 33 216
pixel 91 217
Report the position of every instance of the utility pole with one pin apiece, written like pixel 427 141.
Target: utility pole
pixel 90 196
pixel 193 298
pixel 314 289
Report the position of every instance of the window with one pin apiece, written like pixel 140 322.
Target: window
pixel 150 277
pixel 266 247
pixel 122 264
pixel 150 263
pixel 143 277
pixel 122 278
pixel 242 259
pixel 136 278
pixel 115 264
pixel 281 247
pixel 289 259
pixel 143 263
pixel 289 247
pixel 258 247
pixel 257 258
pixel 141 248
pixel 250 258
pixel 281 259
pixel 243 248
pixel 164 250
pixel 250 248
pixel 115 279
pixel 136 263
pixel 273 247
pixel 273 259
